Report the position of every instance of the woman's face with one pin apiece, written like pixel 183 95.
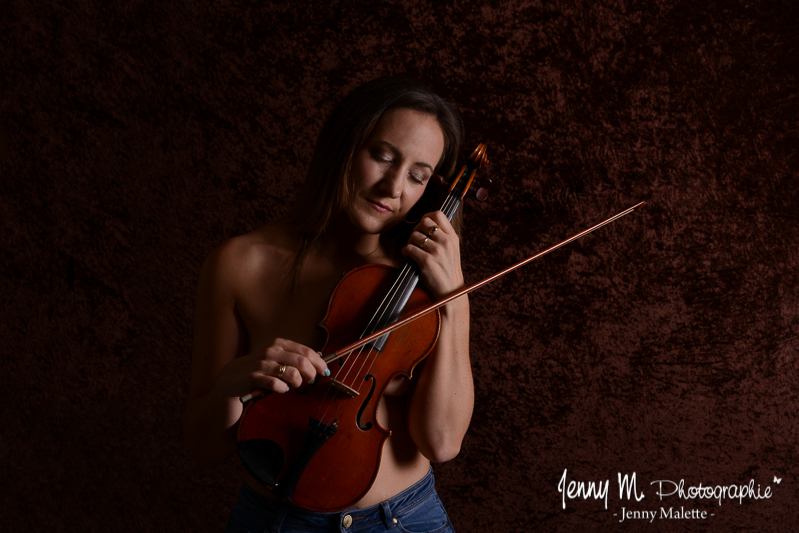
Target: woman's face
pixel 390 172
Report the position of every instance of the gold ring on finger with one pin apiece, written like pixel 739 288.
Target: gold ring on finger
pixel 433 230
pixel 424 242
pixel 281 370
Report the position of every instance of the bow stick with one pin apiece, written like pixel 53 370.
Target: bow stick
pixel 396 325
pixel 429 309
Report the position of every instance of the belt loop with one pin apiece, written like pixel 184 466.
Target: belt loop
pixel 387 516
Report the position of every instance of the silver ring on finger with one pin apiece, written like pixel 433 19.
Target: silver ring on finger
pixel 281 370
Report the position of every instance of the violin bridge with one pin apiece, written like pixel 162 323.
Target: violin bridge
pixel 349 391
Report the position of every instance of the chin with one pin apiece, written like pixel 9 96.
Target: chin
pixel 373 223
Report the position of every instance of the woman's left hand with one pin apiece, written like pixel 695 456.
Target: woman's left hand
pixel 443 396
pixel 435 247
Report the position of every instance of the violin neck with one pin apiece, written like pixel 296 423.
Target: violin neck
pixel 397 297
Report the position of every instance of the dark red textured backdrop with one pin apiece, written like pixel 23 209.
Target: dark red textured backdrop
pixel 137 135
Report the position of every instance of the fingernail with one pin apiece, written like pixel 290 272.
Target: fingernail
pixel 327 372
pixel 288 388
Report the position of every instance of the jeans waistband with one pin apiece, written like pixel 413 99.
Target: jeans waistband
pixel 348 520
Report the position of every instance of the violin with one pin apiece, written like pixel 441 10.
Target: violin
pixel 295 443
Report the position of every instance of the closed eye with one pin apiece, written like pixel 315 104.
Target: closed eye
pixel 418 179
pixel 381 156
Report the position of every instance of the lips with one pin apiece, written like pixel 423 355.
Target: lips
pixel 382 208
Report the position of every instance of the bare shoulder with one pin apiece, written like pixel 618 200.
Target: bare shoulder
pixel 247 265
pixel 265 253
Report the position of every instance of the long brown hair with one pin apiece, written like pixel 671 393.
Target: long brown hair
pixel 328 186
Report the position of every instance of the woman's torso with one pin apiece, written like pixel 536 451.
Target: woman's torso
pixel 269 309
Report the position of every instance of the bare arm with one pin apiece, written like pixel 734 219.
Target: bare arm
pixel 443 399
pixel 219 338
pixel 221 372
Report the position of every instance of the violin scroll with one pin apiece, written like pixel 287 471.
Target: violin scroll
pixel 478 157
pixel 467 174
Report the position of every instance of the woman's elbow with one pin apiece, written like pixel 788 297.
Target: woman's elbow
pixel 442 451
pixel 445 455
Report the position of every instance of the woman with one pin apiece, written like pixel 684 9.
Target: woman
pixel 261 296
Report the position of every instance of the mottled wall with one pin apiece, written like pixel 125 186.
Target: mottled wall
pixel 137 135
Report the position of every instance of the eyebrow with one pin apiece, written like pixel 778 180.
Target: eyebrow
pixel 397 150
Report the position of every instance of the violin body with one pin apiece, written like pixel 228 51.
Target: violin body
pixel 319 446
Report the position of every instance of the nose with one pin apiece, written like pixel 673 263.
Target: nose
pixel 391 183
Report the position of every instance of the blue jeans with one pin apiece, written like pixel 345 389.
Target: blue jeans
pixel 415 510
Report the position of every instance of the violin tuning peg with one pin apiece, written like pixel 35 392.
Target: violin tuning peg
pixel 482 192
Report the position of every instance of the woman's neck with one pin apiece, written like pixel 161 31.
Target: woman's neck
pixel 347 247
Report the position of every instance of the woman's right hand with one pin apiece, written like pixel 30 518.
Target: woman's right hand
pixel 224 367
pixel 280 367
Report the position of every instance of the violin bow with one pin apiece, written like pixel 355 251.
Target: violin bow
pixel 338 354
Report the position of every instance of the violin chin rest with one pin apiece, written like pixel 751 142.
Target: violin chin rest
pixel 263 459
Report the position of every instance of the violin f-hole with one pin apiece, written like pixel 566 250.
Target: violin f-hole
pixel 368 425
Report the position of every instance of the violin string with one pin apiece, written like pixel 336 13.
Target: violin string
pixel 399 286
pixel 450 203
pixel 451 200
pixel 407 272
pixel 397 295
pixel 397 292
pixel 449 207
pixel 331 388
pixel 385 306
pixel 351 359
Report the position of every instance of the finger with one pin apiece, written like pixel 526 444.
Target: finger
pixel 422 240
pixel 431 241
pixel 307 361
pixel 436 218
pixel 427 223
pixel 272 383
pixel 281 368
pixel 299 370
pixel 319 364
pixel 303 371
pixel 432 231
pixel 432 227
pixel 417 254
pixel 312 362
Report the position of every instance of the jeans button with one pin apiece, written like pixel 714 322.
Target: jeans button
pixel 347 522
